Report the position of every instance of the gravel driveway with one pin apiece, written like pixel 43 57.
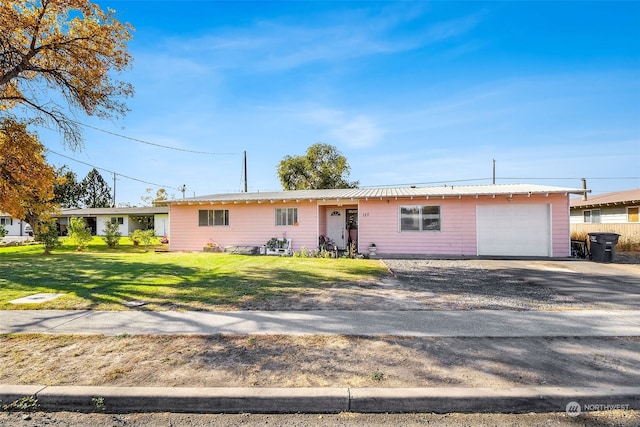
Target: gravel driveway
pixel 476 284
pixel 518 284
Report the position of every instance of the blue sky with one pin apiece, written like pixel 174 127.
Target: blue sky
pixel 411 93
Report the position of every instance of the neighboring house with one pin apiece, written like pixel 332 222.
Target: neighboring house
pixel 491 220
pixel 616 212
pixel 14 226
pixel 128 219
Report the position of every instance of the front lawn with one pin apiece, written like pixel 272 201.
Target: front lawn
pixel 105 279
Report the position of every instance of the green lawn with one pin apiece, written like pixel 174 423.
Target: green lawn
pixel 104 279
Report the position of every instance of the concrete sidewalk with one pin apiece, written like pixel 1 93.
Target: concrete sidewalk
pixel 478 323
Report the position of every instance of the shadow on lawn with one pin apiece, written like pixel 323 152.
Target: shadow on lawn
pixel 108 281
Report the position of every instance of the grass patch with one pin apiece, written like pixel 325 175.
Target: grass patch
pixel 99 278
pixel 377 376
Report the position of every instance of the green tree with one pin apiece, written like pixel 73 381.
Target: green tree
pixel 323 166
pixel 78 233
pixel 67 189
pixel 48 236
pixel 71 47
pixel 112 234
pixel 96 193
pixel 161 195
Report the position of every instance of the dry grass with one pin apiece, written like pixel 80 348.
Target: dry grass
pixel 315 361
pixel 625 243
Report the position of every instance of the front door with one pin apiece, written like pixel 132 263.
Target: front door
pixel 336 227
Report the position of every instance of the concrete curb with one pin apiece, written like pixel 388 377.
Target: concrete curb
pixel 472 400
pixel 320 400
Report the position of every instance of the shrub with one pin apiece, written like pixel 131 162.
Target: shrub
pixel 304 253
pixel 143 236
pixel 3 232
pixel 579 235
pixel 112 234
pixel 48 236
pixel 78 233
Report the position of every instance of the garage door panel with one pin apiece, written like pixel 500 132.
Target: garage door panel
pixel 513 230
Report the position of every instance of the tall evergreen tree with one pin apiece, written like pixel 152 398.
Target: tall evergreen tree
pixel 96 193
pixel 67 189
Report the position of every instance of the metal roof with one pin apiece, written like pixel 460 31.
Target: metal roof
pixel 627 197
pixel 381 192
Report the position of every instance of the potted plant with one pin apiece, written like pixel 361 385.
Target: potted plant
pixel 273 243
pixel 211 247
pixel 372 249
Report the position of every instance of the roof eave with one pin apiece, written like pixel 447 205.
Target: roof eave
pixel 312 198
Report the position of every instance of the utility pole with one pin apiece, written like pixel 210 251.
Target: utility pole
pixel 494 171
pixel 114 190
pixel 244 167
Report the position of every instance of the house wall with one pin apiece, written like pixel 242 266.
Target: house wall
pixel 122 228
pixel 253 224
pixel 161 224
pixel 608 215
pixel 250 224
pixel 560 227
pixel 14 226
pixel 378 223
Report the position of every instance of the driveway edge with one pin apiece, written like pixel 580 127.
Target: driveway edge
pixel 321 400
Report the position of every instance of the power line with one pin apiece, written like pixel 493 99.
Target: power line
pixel 113 172
pixel 503 179
pixel 585 177
pixel 153 143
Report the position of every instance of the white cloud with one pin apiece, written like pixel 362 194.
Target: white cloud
pixel 359 132
pixel 286 44
pixel 352 130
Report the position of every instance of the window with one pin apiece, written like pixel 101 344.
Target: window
pixel 207 218
pixel 3 221
pixel 119 220
pixel 632 215
pixel 592 216
pixel 419 218
pixel 286 216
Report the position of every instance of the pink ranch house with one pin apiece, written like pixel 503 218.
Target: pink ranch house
pixel 484 220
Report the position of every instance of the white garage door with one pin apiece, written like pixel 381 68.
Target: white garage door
pixel 514 230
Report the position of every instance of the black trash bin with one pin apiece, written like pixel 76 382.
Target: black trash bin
pixel 603 246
